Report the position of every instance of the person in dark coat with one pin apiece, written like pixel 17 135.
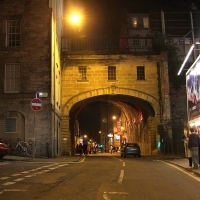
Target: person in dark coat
pixel 85 146
pixel 80 148
pixel 193 145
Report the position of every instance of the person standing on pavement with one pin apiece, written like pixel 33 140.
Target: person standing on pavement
pixel 80 148
pixel 193 145
pixel 188 152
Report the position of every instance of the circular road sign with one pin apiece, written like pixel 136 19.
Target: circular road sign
pixel 36 104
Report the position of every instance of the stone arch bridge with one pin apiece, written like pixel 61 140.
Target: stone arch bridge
pixel 142 102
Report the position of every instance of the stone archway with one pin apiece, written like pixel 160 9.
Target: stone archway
pixel 113 90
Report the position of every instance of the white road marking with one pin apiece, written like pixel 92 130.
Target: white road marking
pixel 13 190
pixel 123 164
pixel 28 176
pixel 191 175
pixel 15 174
pixel 105 196
pixel 25 172
pixel 4 178
pixel 19 179
pixel 121 176
pixel 9 183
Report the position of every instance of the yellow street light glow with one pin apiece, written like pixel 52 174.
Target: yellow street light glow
pixel 75 18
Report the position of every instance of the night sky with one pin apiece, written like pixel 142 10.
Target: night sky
pixel 102 16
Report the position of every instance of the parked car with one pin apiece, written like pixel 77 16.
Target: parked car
pixel 131 149
pixel 4 149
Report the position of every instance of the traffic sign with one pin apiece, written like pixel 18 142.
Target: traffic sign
pixel 36 104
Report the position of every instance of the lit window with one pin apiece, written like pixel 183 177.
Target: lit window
pixel 140 73
pixel 146 22
pixel 13 33
pixel 82 73
pixel 134 22
pixel 12 78
pixel 111 73
pixel 11 125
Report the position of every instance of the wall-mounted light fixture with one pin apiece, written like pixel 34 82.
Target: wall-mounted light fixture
pixel 42 94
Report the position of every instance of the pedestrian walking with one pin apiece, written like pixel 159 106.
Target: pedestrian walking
pixel 193 145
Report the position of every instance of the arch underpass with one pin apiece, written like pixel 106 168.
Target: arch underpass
pixel 138 111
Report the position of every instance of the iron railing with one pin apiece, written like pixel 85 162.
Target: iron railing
pixel 129 45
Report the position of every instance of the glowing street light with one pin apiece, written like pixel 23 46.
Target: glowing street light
pixel 75 18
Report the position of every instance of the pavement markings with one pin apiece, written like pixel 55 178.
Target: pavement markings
pixel 13 190
pixel 50 167
pixel 4 178
pixel 25 172
pixel 28 176
pixel 19 179
pixel 15 174
pixel 106 194
pixel 191 175
pixel 9 183
pixel 123 164
pixel 121 176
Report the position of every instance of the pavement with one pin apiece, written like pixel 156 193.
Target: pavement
pixel 176 160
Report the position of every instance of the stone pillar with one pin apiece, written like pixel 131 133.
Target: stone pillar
pixel 66 137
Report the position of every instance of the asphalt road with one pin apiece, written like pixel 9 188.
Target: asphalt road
pixel 97 178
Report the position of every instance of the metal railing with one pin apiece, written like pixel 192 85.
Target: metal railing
pixel 130 45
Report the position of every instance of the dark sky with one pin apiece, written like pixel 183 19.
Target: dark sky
pixel 101 15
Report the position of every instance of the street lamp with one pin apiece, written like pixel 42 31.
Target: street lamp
pixel 75 18
pixel 74 21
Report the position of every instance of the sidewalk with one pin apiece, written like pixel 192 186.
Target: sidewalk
pixel 176 160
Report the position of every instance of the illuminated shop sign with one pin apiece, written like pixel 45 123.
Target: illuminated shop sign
pixel 193 90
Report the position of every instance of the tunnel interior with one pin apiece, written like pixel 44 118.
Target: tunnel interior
pixel 133 109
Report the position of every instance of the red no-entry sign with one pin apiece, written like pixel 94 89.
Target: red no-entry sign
pixel 36 104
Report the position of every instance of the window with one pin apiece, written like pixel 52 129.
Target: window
pixel 146 22
pixel 111 73
pixel 12 78
pixel 10 124
pixel 134 22
pixel 82 73
pixel 13 33
pixel 140 73
pixel 136 42
pixel 181 41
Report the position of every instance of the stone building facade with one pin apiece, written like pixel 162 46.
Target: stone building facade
pixel 142 102
pixel 30 64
